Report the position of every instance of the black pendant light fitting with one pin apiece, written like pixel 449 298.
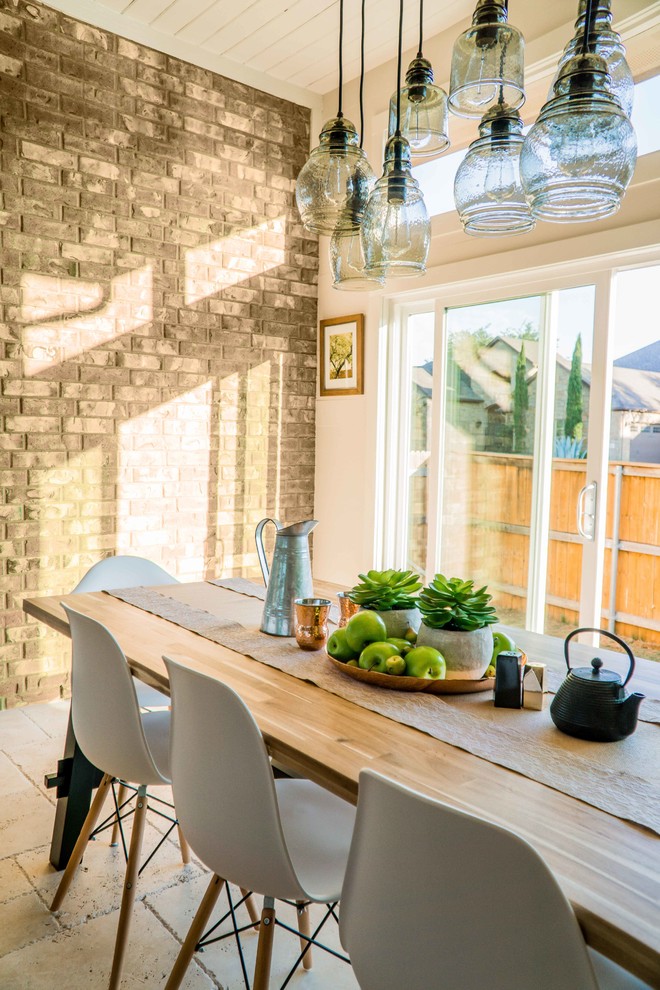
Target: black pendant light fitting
pixel 345 251
pixel 334 184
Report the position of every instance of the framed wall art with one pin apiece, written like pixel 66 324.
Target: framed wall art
pixel 341 347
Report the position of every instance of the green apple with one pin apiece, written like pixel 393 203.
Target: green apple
pixel 339 648
pixel 352 663
pixel 425 661
pixel 402 645
pixel 365 627
pixel 501 642
pixel 374 656
pixel 395 665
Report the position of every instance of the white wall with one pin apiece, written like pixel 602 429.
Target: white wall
pixel 345 483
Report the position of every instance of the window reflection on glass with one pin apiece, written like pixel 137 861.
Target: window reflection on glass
pixel 492 363
pixel 632 567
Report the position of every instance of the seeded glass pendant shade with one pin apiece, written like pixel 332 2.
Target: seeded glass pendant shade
pixel 487 190
pixel 579 156
pixel 347 264
pixel 396 230
pixel 424 114
pixel 487 63
pixel 606 43
pixel 334 183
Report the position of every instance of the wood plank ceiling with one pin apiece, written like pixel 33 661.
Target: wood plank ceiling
pixel 294 41
pixel 289 47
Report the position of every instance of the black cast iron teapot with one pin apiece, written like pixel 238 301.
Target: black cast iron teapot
pixel 591 703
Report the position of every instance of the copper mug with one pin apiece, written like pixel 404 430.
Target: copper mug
pixel 311 622
pixel 347 608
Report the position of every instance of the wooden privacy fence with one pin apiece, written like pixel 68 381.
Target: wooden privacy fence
pixel 499 495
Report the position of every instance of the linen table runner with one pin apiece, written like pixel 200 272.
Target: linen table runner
pixel 649 709
pixel 622 779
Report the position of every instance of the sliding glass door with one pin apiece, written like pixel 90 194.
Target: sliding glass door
pixel 491 379
pixel 522 449
pixel 494 444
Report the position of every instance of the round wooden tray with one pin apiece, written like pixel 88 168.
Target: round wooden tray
pixel 403 683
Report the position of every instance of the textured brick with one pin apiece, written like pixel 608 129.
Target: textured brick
pixel 154 270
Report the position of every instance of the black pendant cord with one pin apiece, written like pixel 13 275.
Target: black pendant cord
pixel 589 19
pixel 362 78
pixel 398 72
pixel 341 60
pixel 421 28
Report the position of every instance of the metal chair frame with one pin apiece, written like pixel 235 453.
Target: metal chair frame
pixel 310 940
pixel 118 816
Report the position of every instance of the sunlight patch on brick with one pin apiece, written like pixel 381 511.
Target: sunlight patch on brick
pixel 64 318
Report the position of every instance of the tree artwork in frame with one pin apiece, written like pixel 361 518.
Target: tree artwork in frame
pixel 341 346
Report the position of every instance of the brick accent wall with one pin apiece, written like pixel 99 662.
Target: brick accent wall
pixel 158 334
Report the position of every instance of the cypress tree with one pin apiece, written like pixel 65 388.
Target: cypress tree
pixel 573 420
pixel 520 403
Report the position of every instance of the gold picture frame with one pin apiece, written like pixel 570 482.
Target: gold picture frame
pixel 341 351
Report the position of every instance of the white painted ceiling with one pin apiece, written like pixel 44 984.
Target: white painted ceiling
pixel 289 47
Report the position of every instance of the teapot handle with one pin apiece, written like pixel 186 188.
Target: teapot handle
pixel 603 632
pixel 261 553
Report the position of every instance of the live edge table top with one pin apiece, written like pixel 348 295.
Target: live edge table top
pixel 607 867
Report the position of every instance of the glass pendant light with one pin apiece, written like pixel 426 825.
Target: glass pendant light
pixel 334 184
pixel 579 156
pixel 347 264
pixel 346 255
pixel 396 230
pixel 424 115
pixel 487 190
pixel 606 43
pixel 487 59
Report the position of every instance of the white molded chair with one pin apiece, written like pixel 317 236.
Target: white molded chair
pixel 287 839
pixel 434 897
pixel 126 744
pixel 125 571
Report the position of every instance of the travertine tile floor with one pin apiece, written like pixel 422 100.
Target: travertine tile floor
pixel 74 950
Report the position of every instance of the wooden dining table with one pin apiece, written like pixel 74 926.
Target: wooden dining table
pixel 609 868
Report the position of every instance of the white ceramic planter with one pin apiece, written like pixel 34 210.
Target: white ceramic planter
pixel 467 654
pixel 399 620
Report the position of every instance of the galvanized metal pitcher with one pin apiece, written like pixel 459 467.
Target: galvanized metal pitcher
pixel 290 574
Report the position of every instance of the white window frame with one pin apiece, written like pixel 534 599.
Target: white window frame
pixel 393 437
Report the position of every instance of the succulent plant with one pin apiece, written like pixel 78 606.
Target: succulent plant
pixel 449 603
pixel 386 590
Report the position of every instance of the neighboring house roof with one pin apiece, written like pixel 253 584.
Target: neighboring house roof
pixel 423 378
pixel 635 390
pixel 531 351
pixel 486 377
pixel 645 359
pixel 632 389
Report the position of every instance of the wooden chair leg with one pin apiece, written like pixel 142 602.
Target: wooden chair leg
pixel 251 909
pixel 128 895
pixel 195 932
pixel 184 847
pixel 121 797
pixel 265 946
pixel 81 843
pixel 304 927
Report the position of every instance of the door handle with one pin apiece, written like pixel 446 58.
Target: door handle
pixel 586 511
